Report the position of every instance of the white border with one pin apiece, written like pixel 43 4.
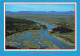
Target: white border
pixel 41 2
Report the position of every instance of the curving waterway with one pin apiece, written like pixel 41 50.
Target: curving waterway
pixel 43 34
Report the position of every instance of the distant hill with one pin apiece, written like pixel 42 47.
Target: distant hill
pixel 40 13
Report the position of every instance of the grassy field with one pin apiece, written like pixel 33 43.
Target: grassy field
pixel 48 43
pixel 50 19
pixel 30 44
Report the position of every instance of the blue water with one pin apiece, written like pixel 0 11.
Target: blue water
pixel 43 34
pixel 55 41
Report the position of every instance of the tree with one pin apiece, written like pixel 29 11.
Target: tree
pixel 63 24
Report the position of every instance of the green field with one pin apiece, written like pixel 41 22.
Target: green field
pixel 50 19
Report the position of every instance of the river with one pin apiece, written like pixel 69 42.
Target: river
pixel 43 34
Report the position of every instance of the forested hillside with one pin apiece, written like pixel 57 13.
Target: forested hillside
pixel 14 25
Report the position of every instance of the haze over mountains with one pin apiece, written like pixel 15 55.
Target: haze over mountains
pixel 40 13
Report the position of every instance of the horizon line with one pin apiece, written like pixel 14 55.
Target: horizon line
pixel 38 11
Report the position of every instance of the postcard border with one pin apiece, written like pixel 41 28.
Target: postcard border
pixel 39 49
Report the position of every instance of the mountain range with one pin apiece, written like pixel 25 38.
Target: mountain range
pixel 40 13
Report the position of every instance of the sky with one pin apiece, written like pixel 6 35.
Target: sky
pixel 15 8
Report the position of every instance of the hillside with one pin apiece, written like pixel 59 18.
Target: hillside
pixel 40 13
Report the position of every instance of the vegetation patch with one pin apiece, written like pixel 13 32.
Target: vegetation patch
pixel 10 47
pixel 15 25
pixel 61 30
pixel 35 33
pixel 30 44
pixel 50 19
pixel 67 38
pixel 10 38
pixel 48 43
pixel 64 32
